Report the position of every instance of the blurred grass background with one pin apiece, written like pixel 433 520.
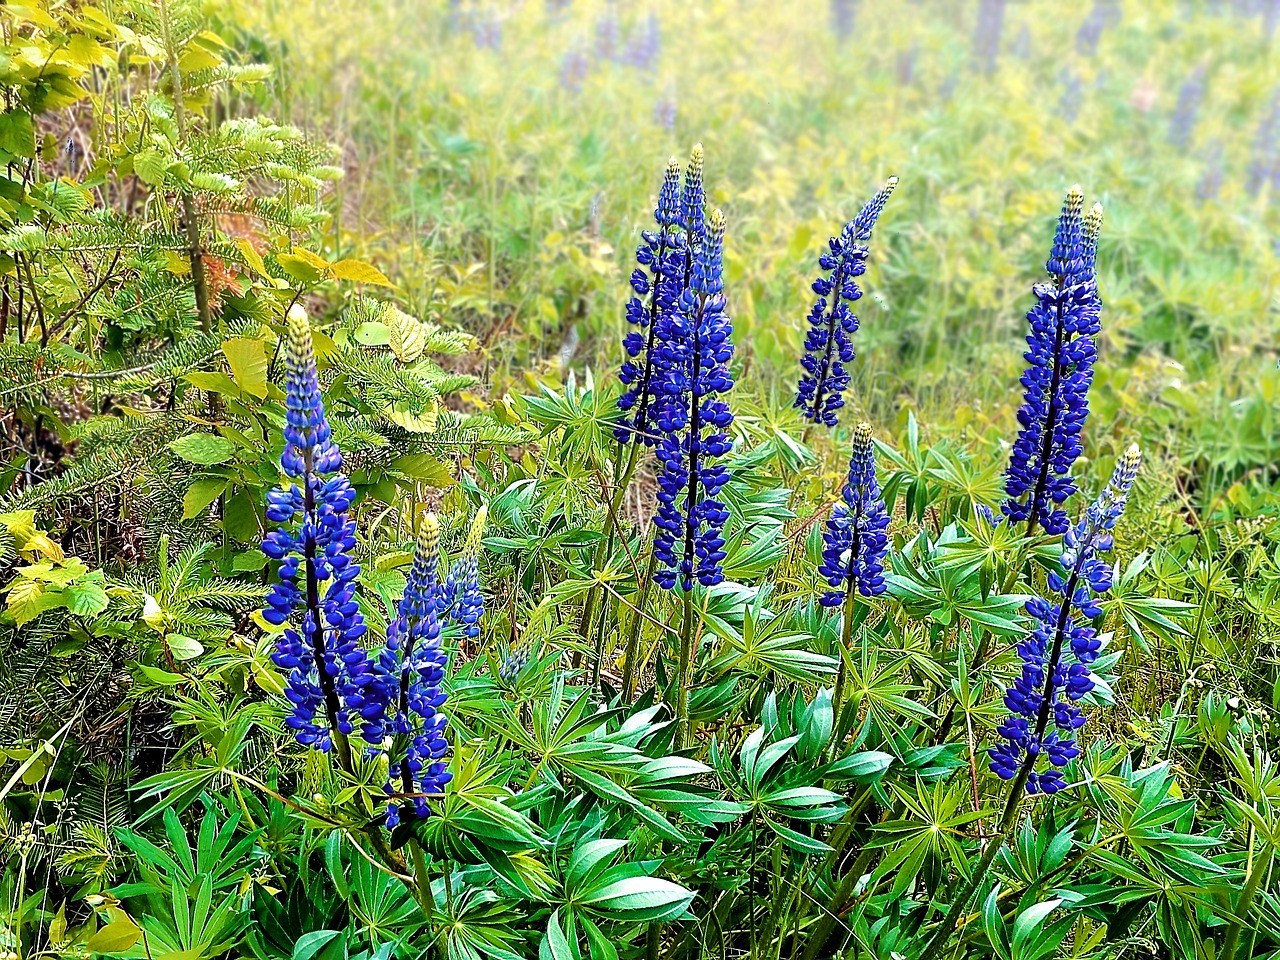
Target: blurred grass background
pixel 502 157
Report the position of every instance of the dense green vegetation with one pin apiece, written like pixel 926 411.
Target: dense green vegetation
pixel 433 209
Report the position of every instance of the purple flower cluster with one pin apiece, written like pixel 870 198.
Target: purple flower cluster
pixel 656 285
pixel 462 587
pixel 1183 122
pixel 692 348
pixel 854 540
pixel 329 673
pixel 1051 685
pixel 332 682
pixel 1060 357
pixel 644 45
pixel 574 69
pixel 411 667
pixel 828 344
pixel 844 17
pixel 1264 161
pixel 986 35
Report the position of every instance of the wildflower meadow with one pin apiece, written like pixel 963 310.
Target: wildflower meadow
pixel 570 480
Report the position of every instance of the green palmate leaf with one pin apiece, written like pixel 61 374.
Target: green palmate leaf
pixel 638 898
pixel 555 945
pixel 205 449
pixel 309 944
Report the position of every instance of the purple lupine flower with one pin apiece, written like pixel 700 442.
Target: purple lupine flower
pixel 411 667
pixel 664 112
pixel 462 587
pixel 1264 161
pixel 607 33
pixel 330 681
pixel 1059 372
pixel 1211 181
pixel 692 348
pixel 1091 30
pixel 660 278
pixel 644 45
pixel 1190 96
pixel 854 538
pixel 1072 94
pixel 844 17
pixel 1052 683
pixel 828 345
pixel 573 70
pixel 986 35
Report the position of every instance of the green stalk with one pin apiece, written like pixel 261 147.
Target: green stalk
pixel 629 654
pixel 846 641
pixel 961 902
pixel 1252 882
pixel 684 729
pixel 827 921
pixel 422 881
pixel 605 546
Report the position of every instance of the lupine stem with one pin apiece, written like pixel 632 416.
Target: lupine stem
pixel 684 729
pixel 422 878
pixel 633 637
pixel 1252 882
pixel 610 525
pixel 846 634
pixel 1019 784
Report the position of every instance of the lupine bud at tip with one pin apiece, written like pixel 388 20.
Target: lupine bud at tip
pixel 890 184
pixel 1132 459
pixel 1075 198
pixel 695 158
pixel 428 535
pixel 476 533
pixel 1093 223
pixel 861 433
pixel 299 332
pixel 715 223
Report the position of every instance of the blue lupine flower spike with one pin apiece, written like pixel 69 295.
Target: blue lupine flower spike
pixel 692 350
pixel 1060 357
pixel 466 601
pixel 828 344
pixel 659 278
pixel 692 208
pixel 413 664
pixel 855 540
pixel 330 680
pixel 1062 644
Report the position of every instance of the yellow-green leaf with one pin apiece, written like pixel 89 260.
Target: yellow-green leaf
pixel 116 937
pixel 30 598
pixel 424 468
pixel 358 271
pixel 252 257
pixel 200 494
pixel 205 449
pixel 298 268
pixel 248 360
